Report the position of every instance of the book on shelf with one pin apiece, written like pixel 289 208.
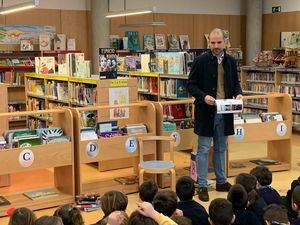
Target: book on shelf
pixel 253 117
pixel 71 44
pixel 28 141
pixel 149 42
pixel 184 42
pixel 271 116
pixel 114 41
pixel 45 65
pixel 45 133
pixel 45 42
pixel 173 42
pixel 133 40
pixel 145 60
pixel 59 42
pixel 160 42
pixel 26 45
pixel 88 133
pixel 107 63
pixel 40 194
pixel 170 62
pixel 130 64
pixel 265 162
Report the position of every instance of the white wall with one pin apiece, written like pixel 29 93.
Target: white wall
pixel 286 5
pixel 56 4
pixel 221 7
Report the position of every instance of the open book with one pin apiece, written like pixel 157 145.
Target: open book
pixel 229 105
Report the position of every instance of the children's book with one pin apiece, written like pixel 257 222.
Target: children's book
pixel 184 42
pixel 26 45
pixel 149 42
pixel 44 42
pixel 133 40
pixel 42 193
pixel 160 42
pixel 60 42
pixel 71 44
pixel 173 42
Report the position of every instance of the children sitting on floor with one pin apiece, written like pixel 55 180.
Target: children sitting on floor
pixel 276 215
pixel 22 216
pixel 148 190
pixel 221 212
pixel 296 204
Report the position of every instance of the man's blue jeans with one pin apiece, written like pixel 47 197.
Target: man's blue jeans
pixel 220 146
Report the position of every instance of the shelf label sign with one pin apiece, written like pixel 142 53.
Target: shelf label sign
pixel 176 135
pixel 131 144
pixel 239 133
pixel 281 129
pixel 92 149
pixel 26 158
pixel 118 83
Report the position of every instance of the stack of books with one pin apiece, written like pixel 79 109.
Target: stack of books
pixel 88 202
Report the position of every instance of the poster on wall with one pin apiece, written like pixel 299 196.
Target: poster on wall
pixel 119 96
pixel 13 34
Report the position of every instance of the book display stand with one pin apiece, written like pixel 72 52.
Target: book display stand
pixel 57 157
pixel 112 149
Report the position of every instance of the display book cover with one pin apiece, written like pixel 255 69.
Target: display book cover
pixel 108 63
pixel 149 43
pixel 41 193
pixel 133 40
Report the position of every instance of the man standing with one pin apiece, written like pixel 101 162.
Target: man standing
pixel 213 76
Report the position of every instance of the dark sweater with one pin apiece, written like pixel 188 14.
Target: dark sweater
pixel 296 221
pixel 245 217
pixel 258 208
pixel 193 210
pixel 270 195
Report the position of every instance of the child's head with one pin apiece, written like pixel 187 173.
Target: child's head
pixel 237 195
pixel 115 218
pixel 22 216
pixel 248 181
pixel 275 214
pixel 69 214
pixel 185 188
pixel 49 220
pixel 220 212
pixel 165 202
pixel 182 220
pixel 296 199
pixel 262 174
pixel 113 201
pixel 138 219
pixel 148 190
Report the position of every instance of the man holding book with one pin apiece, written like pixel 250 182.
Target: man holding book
pixel 213 76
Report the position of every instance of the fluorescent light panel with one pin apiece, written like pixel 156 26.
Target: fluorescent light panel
pixel 19 7
pixel 129 13
pixel 155 24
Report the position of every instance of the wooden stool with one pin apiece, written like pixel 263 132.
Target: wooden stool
pixel 157 166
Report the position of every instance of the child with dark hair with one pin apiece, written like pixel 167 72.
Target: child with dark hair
pixel 181 220
pixel 69 214
pixel 221 212
pixel 287 200
pixel 296 204
pixel 148 190
pixel 264 179
pixel 49 220
pixel 115 218
pixel 256 203
pixel 22 216
pixel 165 202
pixel 237 195
pixel 276 215
pixel 185 190
pixel 113 201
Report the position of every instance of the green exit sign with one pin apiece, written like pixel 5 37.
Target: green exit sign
pixel 276 9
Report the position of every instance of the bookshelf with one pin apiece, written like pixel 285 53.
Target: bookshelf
pixel 111 150
pixel 58 157
pixel 276 134
pixel 185 139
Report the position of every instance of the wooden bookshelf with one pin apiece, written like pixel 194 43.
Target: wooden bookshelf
pixel 59 157
pixel 278 143
pixel 111 150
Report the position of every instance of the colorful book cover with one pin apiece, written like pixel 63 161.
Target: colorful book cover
pixel 114 41
pixel 44 42
pixel 145 60
pixel 46 65
pixel 42 193
pixel 71 44
pixel 130 63
pixel 149 42
pixel 138 63
pixel 108 63
pixel 60 42
pixel 181 88
pixel 26 45
pixel 121 63
pixel 45 133
pixel 160 42
pixel 172 60
pixel 133 40
pixel 184 42
pixel 29 141
pixel 173 42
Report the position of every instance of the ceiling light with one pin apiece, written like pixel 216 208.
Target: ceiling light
pixel 155 24
pixel 19 7
pixel 130 12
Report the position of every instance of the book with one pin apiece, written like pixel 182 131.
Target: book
pixel 184 42
pixel 114 41
pixel 44 42
pixel 224 106
pixel 57 139
pixel 45 133
pixel 160 42
pixel 4 201
pixel 265 162
pixel 59 42
pixel 26 45
pixel 42 193
pixel 149 42
pixel 271 116
pixel 128 180
pixel 107 63
pixel 29 141
pixel 173 42
pixel 45 65
pixel 71 44
pixel 133 40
